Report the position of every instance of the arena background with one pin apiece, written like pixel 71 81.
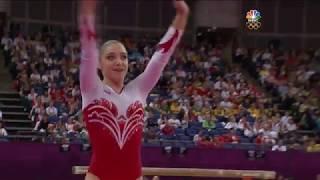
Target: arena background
pixel 132 17
pixel 292 22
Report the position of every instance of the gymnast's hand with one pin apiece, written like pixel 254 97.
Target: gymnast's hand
pixel 181 7
pixel 182 14
pixel 88 7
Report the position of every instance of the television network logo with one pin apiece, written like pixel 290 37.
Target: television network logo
pixel 253 19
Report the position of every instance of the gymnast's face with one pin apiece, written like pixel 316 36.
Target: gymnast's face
pixel 114 62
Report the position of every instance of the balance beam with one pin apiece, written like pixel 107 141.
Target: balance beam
pixel 191 172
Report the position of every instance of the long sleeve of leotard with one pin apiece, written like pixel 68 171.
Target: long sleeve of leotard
pixel 149 78
pixel 89 80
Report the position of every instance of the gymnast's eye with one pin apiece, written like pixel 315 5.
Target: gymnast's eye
pixel 124 57
pixel 111 57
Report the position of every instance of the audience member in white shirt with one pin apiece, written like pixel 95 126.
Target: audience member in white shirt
pixel 242 123
pixel 249 131
pixel 232 124
pixel 51 110
pixel 225 93
pixel 290 126
pixel 3 131
pixel 218 84
pixel 276 124
pixel 266 55
pixel 19 41
pixel 174 122
pixel 279 146
pixel 285 118
pixel 269 135
pixel 6 42
pixel 198 137
pixel 226 104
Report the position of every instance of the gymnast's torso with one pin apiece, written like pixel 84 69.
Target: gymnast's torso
pixel 115 124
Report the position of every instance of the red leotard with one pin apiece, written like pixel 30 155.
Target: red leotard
pixel 115 121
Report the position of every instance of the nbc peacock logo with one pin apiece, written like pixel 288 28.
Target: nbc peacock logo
pixel 253 20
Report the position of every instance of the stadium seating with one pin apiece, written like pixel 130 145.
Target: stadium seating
pixel 199 100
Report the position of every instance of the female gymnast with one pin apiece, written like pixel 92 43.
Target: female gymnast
pixel 113 111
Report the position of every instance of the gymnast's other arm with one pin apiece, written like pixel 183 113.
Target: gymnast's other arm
pixel 89 80
pixel 149 78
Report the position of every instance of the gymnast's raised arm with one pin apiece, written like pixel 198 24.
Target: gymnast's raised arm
pixel 149 78
pixel 89 80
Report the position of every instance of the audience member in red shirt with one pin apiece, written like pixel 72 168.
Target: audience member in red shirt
pixel 167 129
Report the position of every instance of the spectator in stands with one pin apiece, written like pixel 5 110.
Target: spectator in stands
pixel 190 88
pixel 162 119
pixel 279 146
pixel 70 124
pixel 167 128
pixel 45 98
pixel 174 121
pixel 59 131
pixel 207 141
pixel 289 126
pixel 313 146
pixel 52 113
pixel 37 111
pixel 63 110
pixel 243 123
pixel 209 122
pixel 6 44
pixel 32 96
pixel 150 133
pixel 42 124
pixel 269 135
pixel 197 138
pixel 249 131
pixel 285 118
pixel 0 115
pixel 84 136
pixel 3 132
pixel 231 124
pixel 232 137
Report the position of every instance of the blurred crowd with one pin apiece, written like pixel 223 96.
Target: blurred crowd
pixel 291 77
pixel 199 99
pixel 44 67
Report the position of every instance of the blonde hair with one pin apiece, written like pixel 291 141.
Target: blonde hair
pixel 107 44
